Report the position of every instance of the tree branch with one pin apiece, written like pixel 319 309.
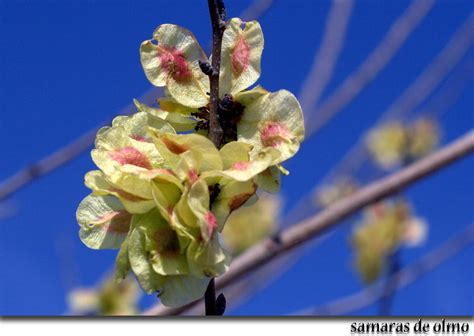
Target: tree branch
pixel 217 14
pixel 310 228
pixel 218 17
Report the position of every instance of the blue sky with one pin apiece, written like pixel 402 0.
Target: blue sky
pixel 69 65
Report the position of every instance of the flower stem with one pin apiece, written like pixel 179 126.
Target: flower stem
pixel 218 15
pixel 394 265
pixel 391 284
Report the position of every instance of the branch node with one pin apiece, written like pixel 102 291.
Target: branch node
pixel 221 10
pixel 207 68
pixel 34 170
pixel 222 24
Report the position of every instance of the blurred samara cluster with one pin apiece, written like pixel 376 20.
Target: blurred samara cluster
pixel 384 228
pixel 109 298
pixel 394 144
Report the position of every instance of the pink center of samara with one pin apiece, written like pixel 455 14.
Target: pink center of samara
pixel 211 222
pixel 132 156
pixel 192 176
pixel 174 63
pixel 240 57
pixel 273 133
pixel 241 165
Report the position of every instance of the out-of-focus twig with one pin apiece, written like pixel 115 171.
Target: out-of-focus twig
pixel 327 54
pixel 419 90
pixel 405 277
pixel 405 104
pixel 450 91
pixel 256 9
pixel 430 78
pixel 310 228
pixel 371 66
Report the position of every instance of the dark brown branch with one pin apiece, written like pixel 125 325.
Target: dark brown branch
pixel 218 16
pixel 327 219
pixel 217 13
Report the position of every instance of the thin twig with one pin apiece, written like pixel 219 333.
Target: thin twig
pixel 420 89
pixel 327 54
pixel 327 219
pixel 394 263
pixel 436 71
pixel 406 276
pixel 450 91
pixel 388 296
pixel 256 9
pixel 217 14
pixel 371 66
pixel 218 17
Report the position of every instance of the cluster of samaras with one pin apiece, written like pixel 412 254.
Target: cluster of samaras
pixel 163 197
pixel 385 227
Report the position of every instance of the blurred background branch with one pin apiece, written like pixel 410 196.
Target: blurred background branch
pixel 370 67
pixel 406 104
pixel 327 55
